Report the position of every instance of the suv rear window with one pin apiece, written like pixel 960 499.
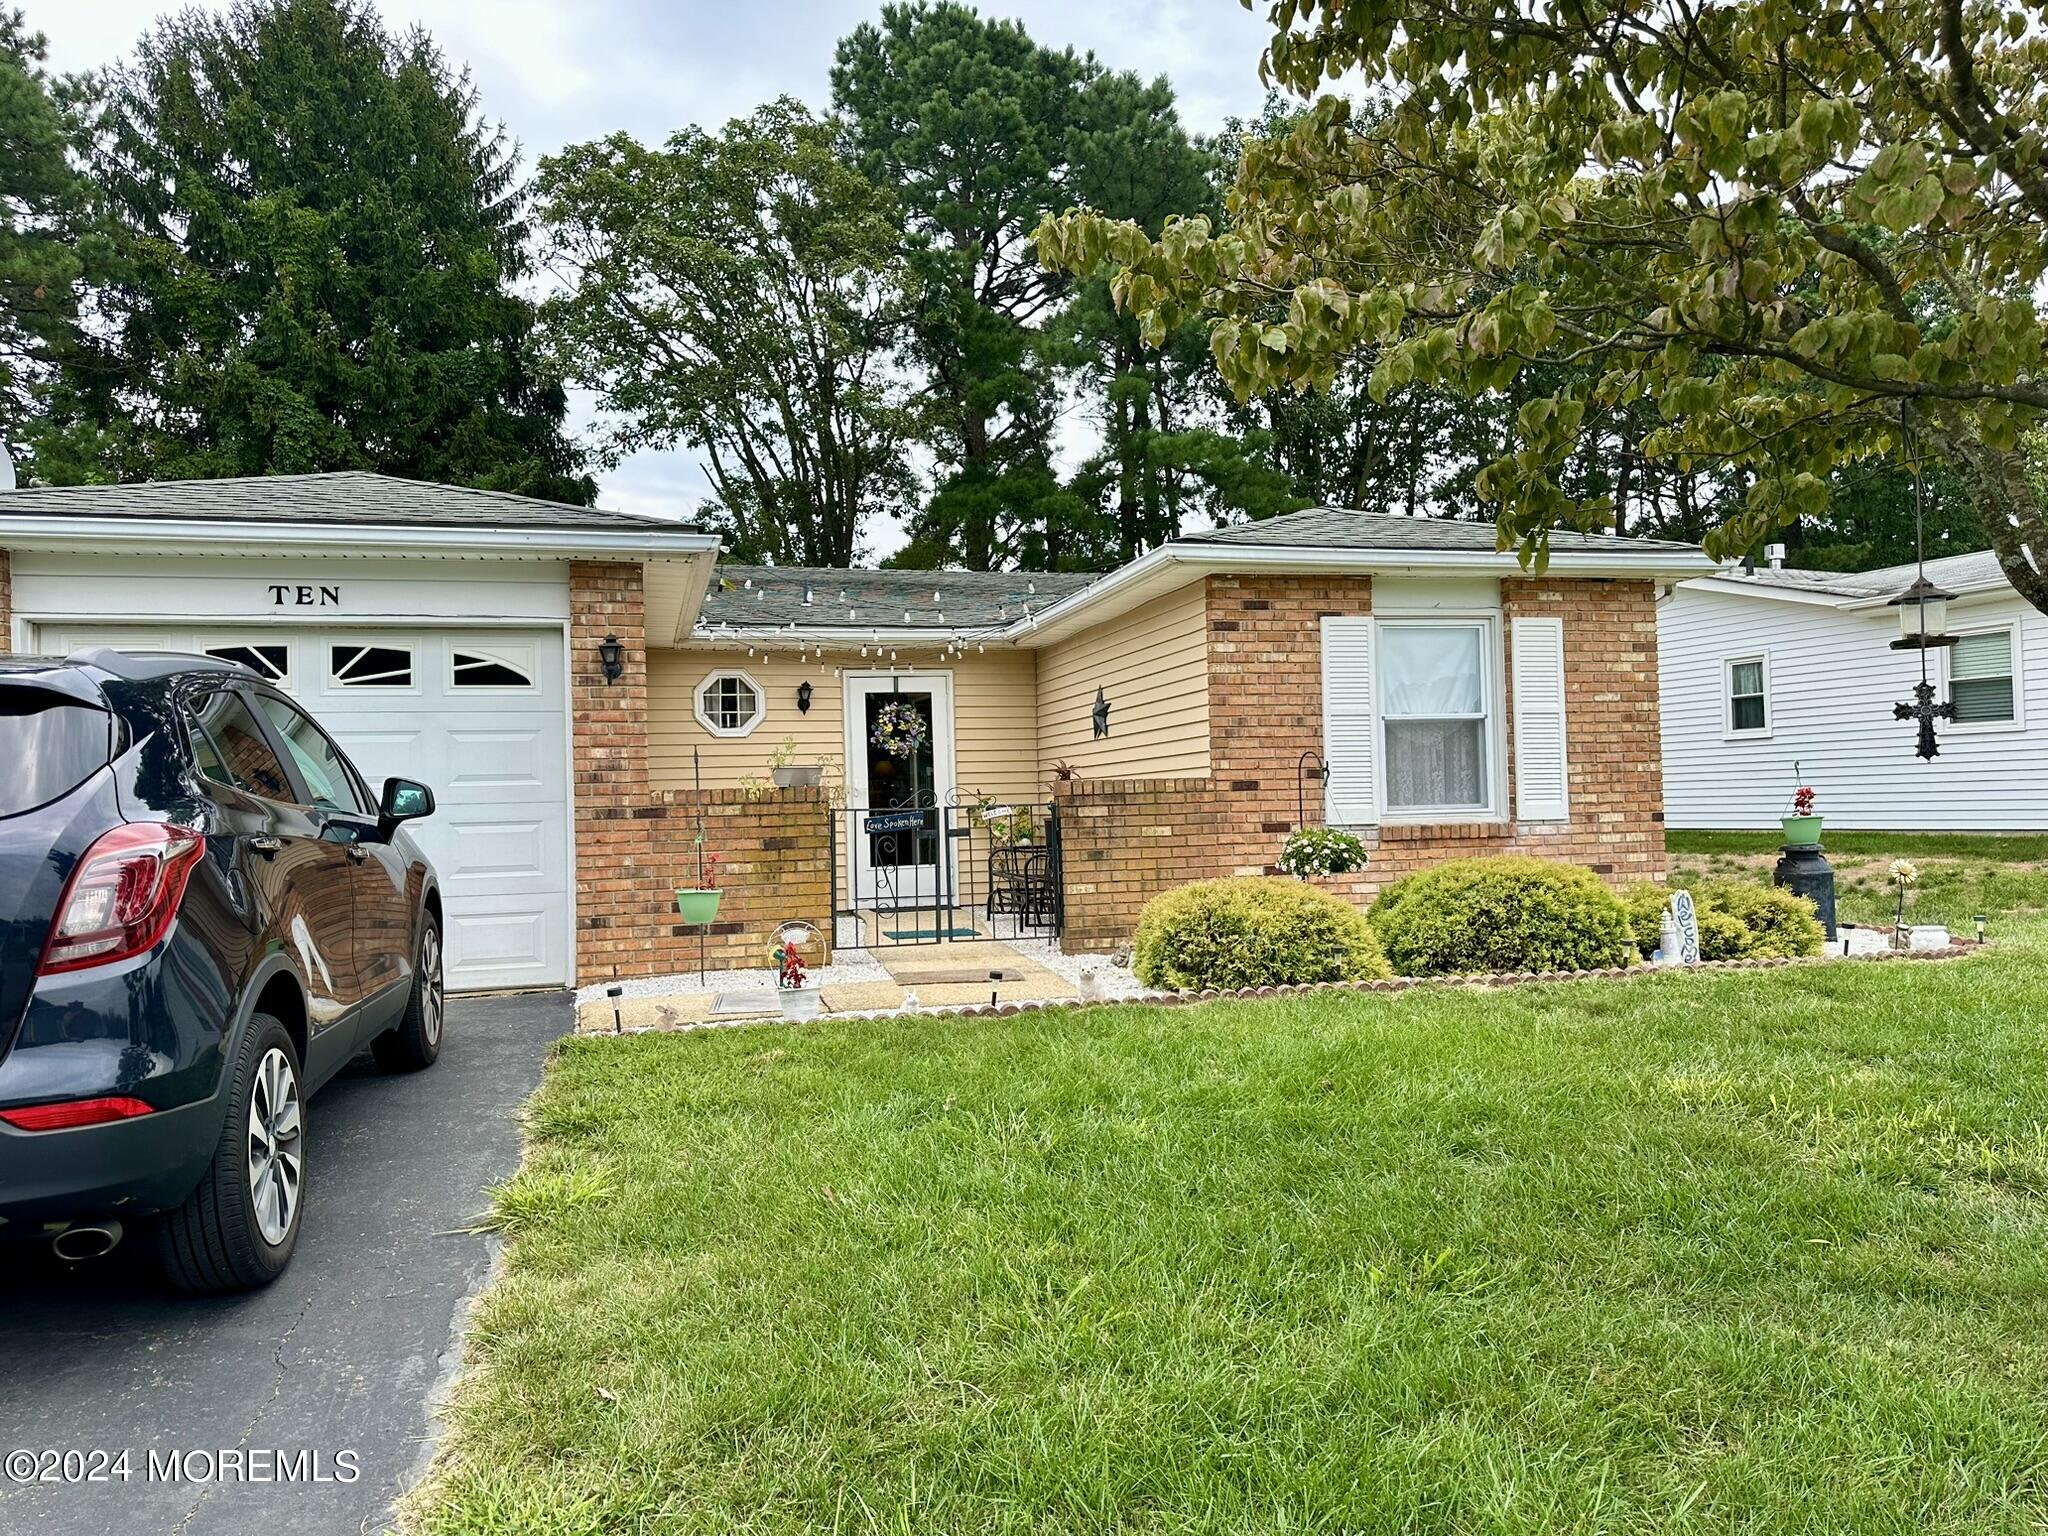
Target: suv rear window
pixel 50 745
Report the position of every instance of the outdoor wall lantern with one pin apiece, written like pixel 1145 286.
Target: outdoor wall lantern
pixel 612 657
pixel 803 698
pixel 1100 713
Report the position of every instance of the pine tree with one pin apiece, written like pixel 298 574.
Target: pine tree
pixel 316 241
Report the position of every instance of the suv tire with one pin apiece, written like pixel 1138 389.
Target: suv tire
pixel 416 1043
pixel 237 1230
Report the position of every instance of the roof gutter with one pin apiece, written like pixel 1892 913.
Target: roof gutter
pixel 1160 570
pixel 187 535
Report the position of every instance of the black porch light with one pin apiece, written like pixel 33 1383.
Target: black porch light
pixel 612 657
pixel 803 698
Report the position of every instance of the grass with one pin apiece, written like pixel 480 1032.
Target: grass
pixel 1962 874
pixel 2021 847
pixel 1737 1252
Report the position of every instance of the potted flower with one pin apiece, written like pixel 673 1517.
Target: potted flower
pixel 788 773
pixel 1802 827
pixel 1321 851
pixel 699 904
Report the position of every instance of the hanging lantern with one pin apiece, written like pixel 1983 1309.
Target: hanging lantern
pixel 1923 617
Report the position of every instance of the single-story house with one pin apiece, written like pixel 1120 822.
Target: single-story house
pixel 590 693
pixel 1775 678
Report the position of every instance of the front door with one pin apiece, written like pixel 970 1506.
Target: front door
pixel 899 780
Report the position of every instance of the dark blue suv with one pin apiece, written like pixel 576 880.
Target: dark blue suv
pixel 204 913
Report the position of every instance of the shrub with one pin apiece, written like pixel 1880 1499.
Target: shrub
pixel 1253 933
pixel 1321 851
pixel 1501 914
pixel 1646 905
pixel 1722 936
pixel 1774 922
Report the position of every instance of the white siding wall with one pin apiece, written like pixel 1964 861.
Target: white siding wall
pixel 1833 681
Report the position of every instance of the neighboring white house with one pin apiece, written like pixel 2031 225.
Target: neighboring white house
pixel 1773 678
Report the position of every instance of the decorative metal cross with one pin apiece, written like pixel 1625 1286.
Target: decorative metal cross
pixel 1926 711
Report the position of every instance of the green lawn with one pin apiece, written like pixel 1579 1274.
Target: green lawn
pixel 2003 876
pixel 1749 1251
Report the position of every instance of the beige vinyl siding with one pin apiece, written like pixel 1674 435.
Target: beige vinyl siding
pixel 1153 664
pixel 994 707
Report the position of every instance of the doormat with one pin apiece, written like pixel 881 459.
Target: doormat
pixel 910 935
pixel 964 976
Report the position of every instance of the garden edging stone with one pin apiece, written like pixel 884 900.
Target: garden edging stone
pixel 1955 951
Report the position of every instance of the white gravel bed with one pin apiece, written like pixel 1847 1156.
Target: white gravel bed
pixel 1116 981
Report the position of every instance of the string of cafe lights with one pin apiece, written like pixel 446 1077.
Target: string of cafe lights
pixel 888 643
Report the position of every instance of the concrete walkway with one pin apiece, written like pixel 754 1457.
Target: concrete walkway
pixel 947 975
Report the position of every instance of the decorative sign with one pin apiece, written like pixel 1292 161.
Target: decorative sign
pixel 1688 927
pixel 285 594
pixel 896 821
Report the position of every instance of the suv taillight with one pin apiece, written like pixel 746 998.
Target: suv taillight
pixel 122 896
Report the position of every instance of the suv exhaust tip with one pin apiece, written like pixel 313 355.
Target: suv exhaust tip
pixel 90 1240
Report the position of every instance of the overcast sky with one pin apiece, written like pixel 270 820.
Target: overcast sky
pixel 559 71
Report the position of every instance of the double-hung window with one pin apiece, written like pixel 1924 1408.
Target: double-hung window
pixel 1437 718
pixel 1749 702
pixel 1980 678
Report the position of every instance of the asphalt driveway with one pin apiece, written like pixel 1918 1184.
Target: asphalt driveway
pixel 341 1355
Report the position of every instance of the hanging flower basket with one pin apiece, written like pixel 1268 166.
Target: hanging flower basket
pixel 697 907
pixel 899 729
pixel 1802 827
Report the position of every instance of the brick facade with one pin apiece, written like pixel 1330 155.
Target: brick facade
pixel 6 604
pixel 1126 840
pixel 775 866
pixel 635 846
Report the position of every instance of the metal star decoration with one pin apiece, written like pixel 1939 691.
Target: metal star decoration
pixel 1101 712
pixel 1926 711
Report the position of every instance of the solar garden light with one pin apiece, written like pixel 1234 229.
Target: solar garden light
pixel 618 1023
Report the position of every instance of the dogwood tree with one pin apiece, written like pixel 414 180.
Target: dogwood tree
pixel 1780 235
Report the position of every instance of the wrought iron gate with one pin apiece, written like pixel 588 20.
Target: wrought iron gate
pixel 937 873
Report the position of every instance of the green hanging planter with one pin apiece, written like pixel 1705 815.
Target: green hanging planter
pixel 1801 831
pixel 697 907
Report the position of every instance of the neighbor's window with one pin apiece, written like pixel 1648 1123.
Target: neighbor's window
pixel 1435 697
pixel 1748 704
pixel 728 704
pixel 369 666
pixel 1980 678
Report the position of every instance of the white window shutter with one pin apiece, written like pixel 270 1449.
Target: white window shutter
pixel 1349 797
pixel 1536 655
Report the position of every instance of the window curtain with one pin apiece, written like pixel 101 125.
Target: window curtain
pixel 1435 698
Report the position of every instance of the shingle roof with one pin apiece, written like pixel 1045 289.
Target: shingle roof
pixel 759 596
pixel 348 496
pixel 1979 568
pixel 1340 528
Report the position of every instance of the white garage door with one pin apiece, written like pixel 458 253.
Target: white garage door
pixel 475 714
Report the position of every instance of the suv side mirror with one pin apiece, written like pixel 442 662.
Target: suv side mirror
pixel 404 800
